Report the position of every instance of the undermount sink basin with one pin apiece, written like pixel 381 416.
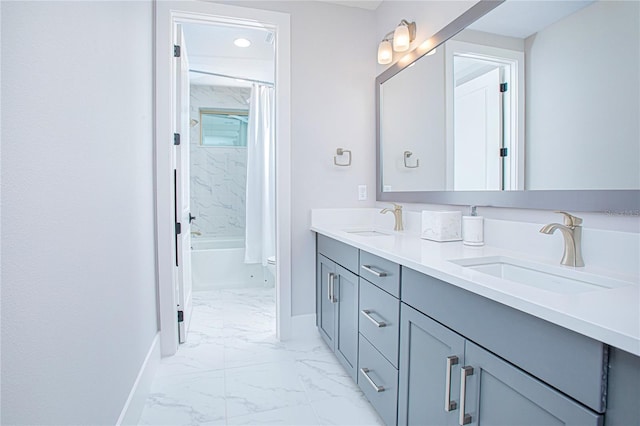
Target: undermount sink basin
pixel 546 277
pixel 367 232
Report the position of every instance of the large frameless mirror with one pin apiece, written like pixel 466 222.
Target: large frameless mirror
pixel 524 104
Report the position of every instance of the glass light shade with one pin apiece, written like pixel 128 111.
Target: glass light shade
pixel 401 39
pixel 385 53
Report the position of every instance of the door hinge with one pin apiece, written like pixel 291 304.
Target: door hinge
pixel 504 87
pixel 176 51
pixel 503 152
pixel 178 228
pixel 176 138
pixel 180 316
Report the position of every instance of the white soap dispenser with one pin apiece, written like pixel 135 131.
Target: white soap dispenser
pixel 473 229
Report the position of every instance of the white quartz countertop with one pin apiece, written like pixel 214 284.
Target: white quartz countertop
pixel 611 315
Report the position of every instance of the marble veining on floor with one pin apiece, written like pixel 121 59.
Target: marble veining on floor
pixel 233 371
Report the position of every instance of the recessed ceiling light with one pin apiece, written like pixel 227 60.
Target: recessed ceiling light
pixel 242 42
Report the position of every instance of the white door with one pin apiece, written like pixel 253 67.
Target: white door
pixel 477 140
pixel 181 185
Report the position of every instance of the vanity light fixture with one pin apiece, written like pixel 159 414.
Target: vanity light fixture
pixel 242 42
pixel 401 38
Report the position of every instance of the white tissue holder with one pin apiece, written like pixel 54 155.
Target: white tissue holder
pixel 441 225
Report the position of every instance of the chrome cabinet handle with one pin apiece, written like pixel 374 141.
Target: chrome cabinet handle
pixel 332 280
pixel 364 372
pixel 449 405
pixel 378 274
pixel 367 315
pixel 464 417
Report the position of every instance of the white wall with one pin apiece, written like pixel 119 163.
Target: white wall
pixel 79 291
pixel 333 57
pixel 591 54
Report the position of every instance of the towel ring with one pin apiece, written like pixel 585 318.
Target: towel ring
pixel 408 154
pixel 341 151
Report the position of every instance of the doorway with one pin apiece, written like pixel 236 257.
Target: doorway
pixel 169 16
pixel 485 117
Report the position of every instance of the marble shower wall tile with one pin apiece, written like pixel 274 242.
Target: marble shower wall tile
pixel 218 174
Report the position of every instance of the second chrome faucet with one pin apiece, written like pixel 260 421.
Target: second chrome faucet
pixel 397 214
pixel 572 235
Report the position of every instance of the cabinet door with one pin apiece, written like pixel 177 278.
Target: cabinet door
pixel 430 359
pixel 497 393
pixel 326 273
pixel 346 334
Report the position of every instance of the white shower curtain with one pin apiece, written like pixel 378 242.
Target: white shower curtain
pixel 260 237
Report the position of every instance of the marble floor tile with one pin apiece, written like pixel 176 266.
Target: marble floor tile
pixel 300 415
pixel 195 359
pixel 343 411
pixel 234 371
pixel 186 399
pixel 262 387
pixel 324 379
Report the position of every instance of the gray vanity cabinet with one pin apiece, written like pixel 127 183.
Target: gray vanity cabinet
pixel 430 360
pixel 499 393
pixel 426 352
pixel 337 300
pixel 448 380
pixel 379 334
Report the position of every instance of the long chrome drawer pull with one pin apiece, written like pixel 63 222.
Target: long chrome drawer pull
pixel 449 405
pixel 464 417
pixel 378 274
pixel 364 372
pixel 367 315
pixel 332 279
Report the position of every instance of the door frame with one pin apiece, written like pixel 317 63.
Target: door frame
pixel 515 129
pixel 166 14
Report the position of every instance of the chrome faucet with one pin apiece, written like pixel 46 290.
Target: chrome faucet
pixel 572 233
pixel 397 213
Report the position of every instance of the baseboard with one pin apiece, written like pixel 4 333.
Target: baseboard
pixel 130 414
pixel 303 326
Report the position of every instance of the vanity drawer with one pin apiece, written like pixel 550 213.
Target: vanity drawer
pixel 382 272
pixel 341 253
pixel 378 379
pixel 379 320
pixel 568 361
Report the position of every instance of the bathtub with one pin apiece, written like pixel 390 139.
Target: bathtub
pixel 219 263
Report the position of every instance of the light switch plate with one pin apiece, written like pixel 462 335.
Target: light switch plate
pixel 362 192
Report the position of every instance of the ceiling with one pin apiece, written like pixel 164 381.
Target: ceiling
pixel 521 19
pixel 362 4
pixel 210 48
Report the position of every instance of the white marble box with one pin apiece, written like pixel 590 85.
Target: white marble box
pixel 441 225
